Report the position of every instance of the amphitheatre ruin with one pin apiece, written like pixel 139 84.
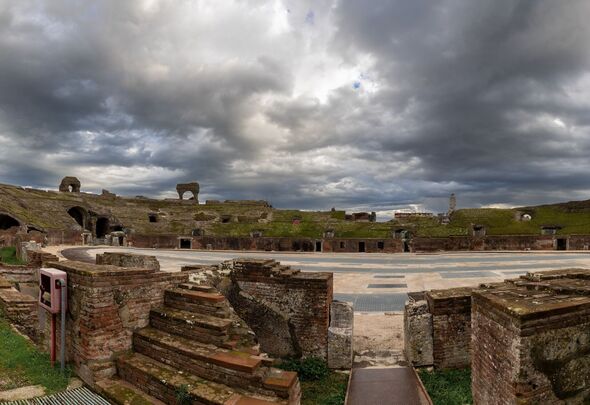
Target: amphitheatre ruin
pixel 139 330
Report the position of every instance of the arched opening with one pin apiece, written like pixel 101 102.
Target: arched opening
pixel 79 215
pixel 153 217
pixel 7 222
pixel 102 227
pixel 191 195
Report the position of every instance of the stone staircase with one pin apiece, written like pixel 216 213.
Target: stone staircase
pixel 197 348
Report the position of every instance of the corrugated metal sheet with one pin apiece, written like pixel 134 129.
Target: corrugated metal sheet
pixel 78 396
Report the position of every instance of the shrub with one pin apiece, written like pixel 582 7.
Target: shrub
pixel 309 369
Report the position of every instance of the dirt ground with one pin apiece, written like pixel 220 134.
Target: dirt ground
pixel 378 339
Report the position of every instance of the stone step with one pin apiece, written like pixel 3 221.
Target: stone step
pixel 165 383
pixel 121 392
pixel 5 283
pixel 233 368
pixel 199 327
pixel 198 287
pixel 207 323
pixel 213 304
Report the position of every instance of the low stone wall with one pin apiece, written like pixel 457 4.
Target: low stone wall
pixel 105 305
pixel 531 340
pixel 20 309
pixel 128 260
pixel 340 335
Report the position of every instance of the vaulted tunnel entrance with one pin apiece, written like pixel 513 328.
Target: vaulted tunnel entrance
pixel 102 227
pixel 79 215
pixel 7 222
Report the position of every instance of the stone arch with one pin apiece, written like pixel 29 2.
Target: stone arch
pixel 184 188
pixel 70 184
pixel 80 215
pixel 102 227
pixel 8 221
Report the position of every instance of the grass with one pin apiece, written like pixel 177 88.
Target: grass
pixel 22 364
pixel 8 255
pixel 448 387
pixel 319 385
pixel 330 390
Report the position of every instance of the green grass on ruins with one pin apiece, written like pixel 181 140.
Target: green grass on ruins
pixel 21 364
pixel 8 255
pixel 319 385
pixel 448 387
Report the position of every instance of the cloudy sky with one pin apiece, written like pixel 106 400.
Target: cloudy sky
pixel 372 105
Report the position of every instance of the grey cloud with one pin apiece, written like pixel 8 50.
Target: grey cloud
pixel 488 99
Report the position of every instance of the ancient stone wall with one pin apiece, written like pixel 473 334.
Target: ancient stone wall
pixel 454 243
pixel 451 327
pixel 531 340
pixel 579 242
pixel 418 330
pixel 105 305
pixel 339 245
pixel 128 260
pixel 288 310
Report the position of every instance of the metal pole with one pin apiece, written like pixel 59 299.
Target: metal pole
pixel 63 325
pixel 52 348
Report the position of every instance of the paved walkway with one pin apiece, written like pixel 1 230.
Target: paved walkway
pixel 377 282
pixel 380 386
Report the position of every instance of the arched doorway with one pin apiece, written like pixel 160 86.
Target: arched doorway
pixel 102 227
pixel 79 214
pixel 7 222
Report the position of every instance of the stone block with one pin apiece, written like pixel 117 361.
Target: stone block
pixel 340 335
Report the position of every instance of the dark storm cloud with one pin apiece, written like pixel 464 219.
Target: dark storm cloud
pixel 488 90
pixel 363 105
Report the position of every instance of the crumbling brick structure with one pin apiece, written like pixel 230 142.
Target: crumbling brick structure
pixel 531 340
pixel 70 184
pixel 438 328
pixel 192 188
pixel 105 305
pixel 289 310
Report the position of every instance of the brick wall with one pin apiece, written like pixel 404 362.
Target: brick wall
pixel 494 359
pixel 451 327
pixel 304 298
pixel 105 305
pixel 20 309
pixel 499 242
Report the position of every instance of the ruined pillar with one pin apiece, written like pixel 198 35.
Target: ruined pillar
pixel 531 342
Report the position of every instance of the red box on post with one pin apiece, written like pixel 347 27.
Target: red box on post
pixel 50 289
